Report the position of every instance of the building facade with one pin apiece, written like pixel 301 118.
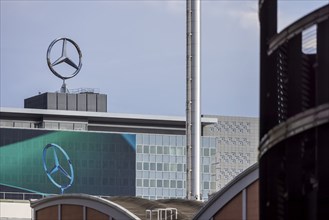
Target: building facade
pixel 115 154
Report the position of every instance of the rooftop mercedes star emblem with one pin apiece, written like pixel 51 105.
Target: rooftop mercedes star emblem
pixel 57 167
pixel 64 58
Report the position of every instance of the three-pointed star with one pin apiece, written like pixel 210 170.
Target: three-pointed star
pixel 63 58
pixel 58 167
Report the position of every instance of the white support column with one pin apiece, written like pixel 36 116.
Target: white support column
pixel 193 91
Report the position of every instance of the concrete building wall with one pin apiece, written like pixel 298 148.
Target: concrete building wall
pixel 237 145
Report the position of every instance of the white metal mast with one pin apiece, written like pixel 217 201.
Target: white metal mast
pixel 193 115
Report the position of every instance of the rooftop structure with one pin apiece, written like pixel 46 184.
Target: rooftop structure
pixel 83 100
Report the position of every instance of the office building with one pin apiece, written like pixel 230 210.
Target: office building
pixel 120 154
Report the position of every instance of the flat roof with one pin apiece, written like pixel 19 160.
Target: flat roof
pixel 105 121
pixel 37 112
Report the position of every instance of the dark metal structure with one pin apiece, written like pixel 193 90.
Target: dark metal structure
pixel 294 116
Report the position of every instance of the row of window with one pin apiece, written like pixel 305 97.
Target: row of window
pixel 174 184
pixel 160 175
pixel 171 140
pixel 145 166
pixel 153 139
pixel 161 166
pixel 160 193
pixel 162 150
pixel 180 184
pixel 175 151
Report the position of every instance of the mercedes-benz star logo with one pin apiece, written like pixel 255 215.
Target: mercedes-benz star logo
pixel 64 58
pixel 57 167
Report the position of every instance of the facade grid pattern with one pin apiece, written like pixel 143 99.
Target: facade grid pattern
pixel 161 166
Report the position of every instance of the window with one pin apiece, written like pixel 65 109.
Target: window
pixel 146 174
pixel 173 140
pixel 159 166
pixel 152 166
pixel 139 139
pixel 173 150
pixel 146 139
pixel 165 150
pixel 179 140
pixel 180 167
pixel 172 183
pixel 206 185
pixel 206 152
pixel 165 167
pixel 146 166
pixel 166 175
pixel 173 167
pixel 139 182
pixel 159 150
pixel 146 183
pixel 159 183
pixel 165 140
pixel 158 140
pixel 153 150
pixel 205 142
pixel 152 139
pixel 179 176
pixel 146 149
pixel 179 151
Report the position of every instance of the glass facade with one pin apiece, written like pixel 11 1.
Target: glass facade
pixel 161 166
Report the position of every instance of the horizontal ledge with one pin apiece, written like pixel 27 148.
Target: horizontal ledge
pixel 297 27
pixel 295 125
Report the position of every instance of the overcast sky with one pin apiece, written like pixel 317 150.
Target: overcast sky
pixel 134 51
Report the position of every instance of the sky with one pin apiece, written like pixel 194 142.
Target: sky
pixel 134 51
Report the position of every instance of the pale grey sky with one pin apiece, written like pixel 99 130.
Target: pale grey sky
pixel 134 51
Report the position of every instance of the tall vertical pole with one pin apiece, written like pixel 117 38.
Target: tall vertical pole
pixel 193 120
